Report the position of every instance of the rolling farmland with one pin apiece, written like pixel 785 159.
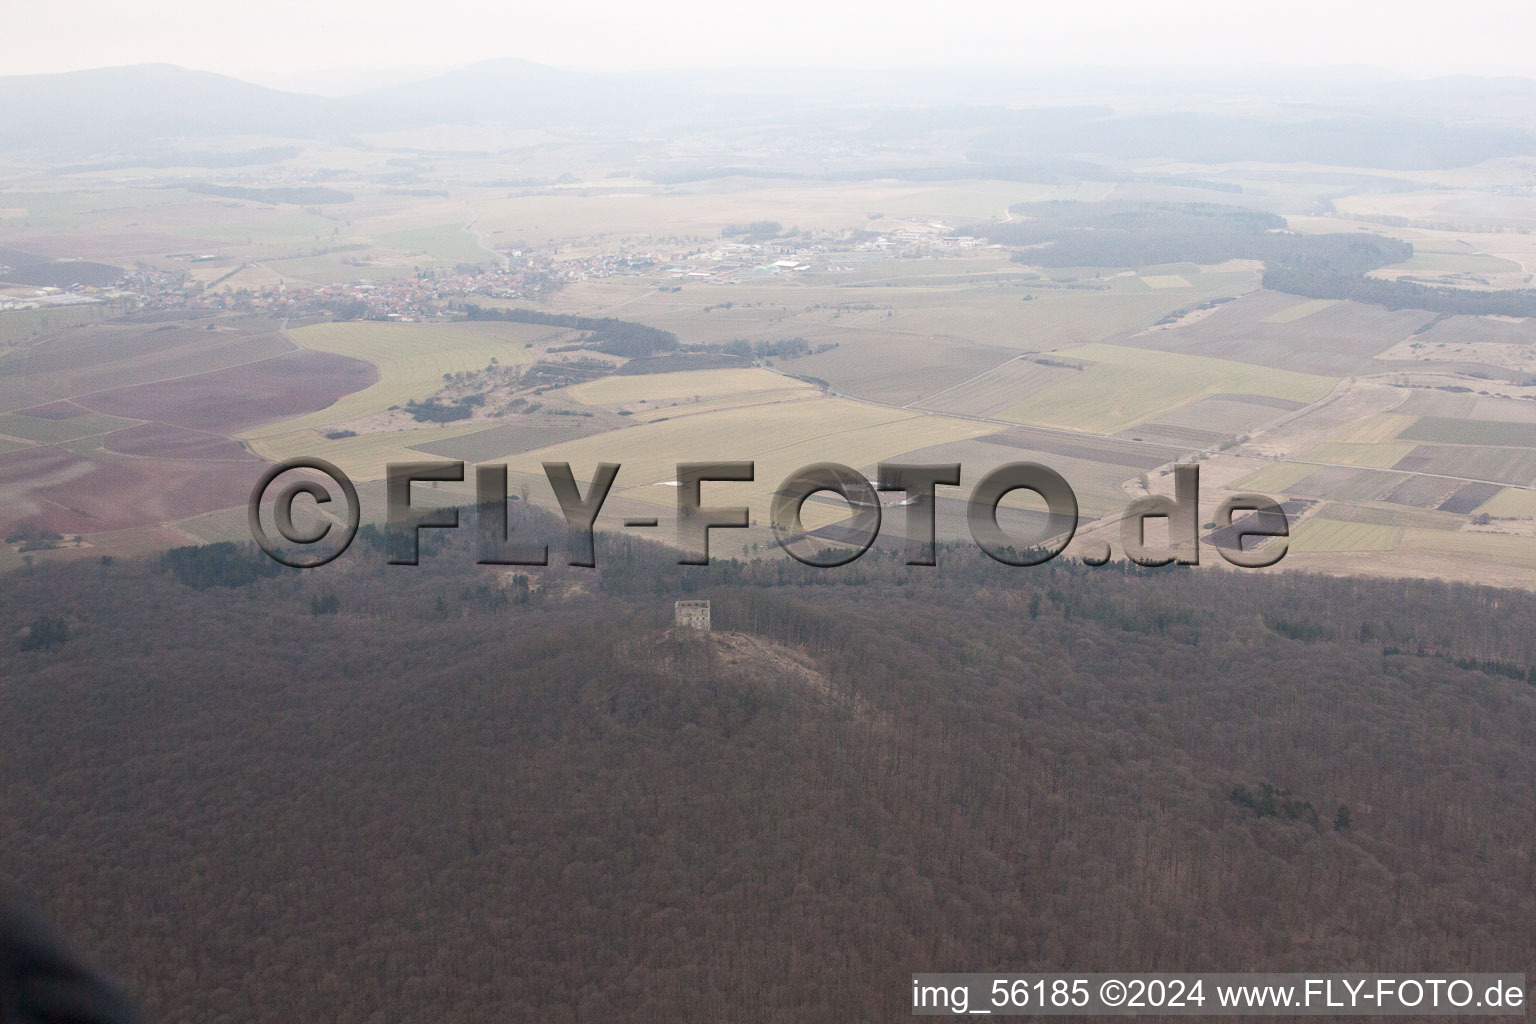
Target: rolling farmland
pixel 1122 386
pixel 411 361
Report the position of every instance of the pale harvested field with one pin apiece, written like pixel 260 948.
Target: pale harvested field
pixel 1508 551
pixel 1444 206
pixel 1298 311
pixel 997 389
pixel 363 457
pixel 1378 429
pixel 687 385
pixel 651 412
pixel 1512 502
pixel 1125 386
pixel 1273 478
pixel 1391 515
pixel 1318 534
pixel 1369 456
pixel 780 439
pixel 1100 486
pixel 1221 416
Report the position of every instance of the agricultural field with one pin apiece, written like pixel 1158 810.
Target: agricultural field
pixel 1372 456
pixel 1108 373
pixel 1426 492
pixel 1298 311
pixel 1277 330
pixel 1274 478
pixel 410 361
pixel 51 429
pixel 1391 515
pixel 101 356
pixel 1228 415
pixel 73 494
pixel 1461 269
pixel 820 430
pixel 1382 428
pixel 437 245
pixel 1342 484
pixel 689 385
pixel 1501 465
pixel 995 390
pixel 495 444
pixel 1511 502
pixel 1485 549
pixel 21 325
pixel 239 397
pixel 1317 534
pixel 1489 433
pixel 1122 386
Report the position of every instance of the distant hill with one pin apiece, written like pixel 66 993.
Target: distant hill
pixel 996 117
pixel 86 111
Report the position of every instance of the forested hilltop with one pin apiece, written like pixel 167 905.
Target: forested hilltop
pixel 460 793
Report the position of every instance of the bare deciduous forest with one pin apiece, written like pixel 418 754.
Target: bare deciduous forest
pixel 373 793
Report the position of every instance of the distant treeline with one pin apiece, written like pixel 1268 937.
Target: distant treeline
pixel 17 267
pixel 435 411
pixel 1322 284
pixel 1072 234
pixel 604 334
pixel 784 348
pixel 1333 266
pixel 758 230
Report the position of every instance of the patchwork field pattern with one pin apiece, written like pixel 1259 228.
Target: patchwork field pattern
pixel 1262 328
pixel 1345 484
pixel 411 360
pixel 1125 386
pixel 1375 456
pixel 1505 465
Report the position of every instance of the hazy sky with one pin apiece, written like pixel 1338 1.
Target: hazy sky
pixel 290 40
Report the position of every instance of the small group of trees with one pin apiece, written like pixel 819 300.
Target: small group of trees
pixel 608 335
